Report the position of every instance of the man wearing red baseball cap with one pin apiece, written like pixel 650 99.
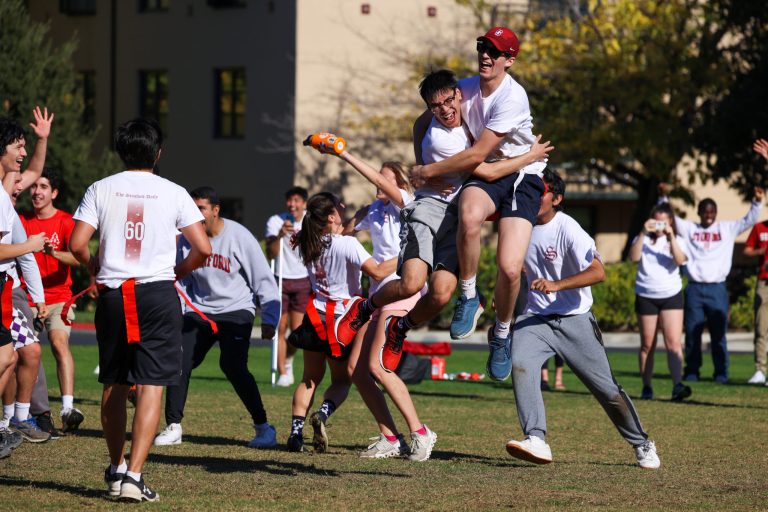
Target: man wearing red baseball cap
pixel 496 111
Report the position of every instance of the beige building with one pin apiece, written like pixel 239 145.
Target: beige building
pixel 238 84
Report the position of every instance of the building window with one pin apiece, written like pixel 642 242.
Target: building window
pixel 431 11
pixel 365 8
pixel 153 97
pixel 86 88
pixel 225 4
pixel 154 5
pixel 77 7
pixel 230 103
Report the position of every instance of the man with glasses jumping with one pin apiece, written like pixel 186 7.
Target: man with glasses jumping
pixel 496 111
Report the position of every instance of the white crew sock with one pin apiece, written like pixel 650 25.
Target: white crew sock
pixel 468 287
pixel 67 402
pixel 120 468
pixel 501 329
pixel 22 411
pixel 135 476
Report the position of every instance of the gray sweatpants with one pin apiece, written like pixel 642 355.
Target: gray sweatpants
pixel 577 339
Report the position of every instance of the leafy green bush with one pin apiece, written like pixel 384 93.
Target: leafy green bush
pixel 742 309
pixel 614 299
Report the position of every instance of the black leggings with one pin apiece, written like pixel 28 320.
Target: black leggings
pixel 234 340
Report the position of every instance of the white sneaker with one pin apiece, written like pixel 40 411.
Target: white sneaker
pixel 646 455
pixel 757 378
pixel 382 448
pixel 532 449
pixel 421 446
pixel 285 380
pixel 266 437
pixel 171 435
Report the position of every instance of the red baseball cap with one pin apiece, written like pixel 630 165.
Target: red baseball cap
pixel 503 39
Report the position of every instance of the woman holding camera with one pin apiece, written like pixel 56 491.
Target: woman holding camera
pixel 659 297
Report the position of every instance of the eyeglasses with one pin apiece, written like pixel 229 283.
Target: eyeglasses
pixel 447 103
pixel 492 51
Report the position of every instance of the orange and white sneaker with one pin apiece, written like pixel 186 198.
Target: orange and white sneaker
pixel 327 143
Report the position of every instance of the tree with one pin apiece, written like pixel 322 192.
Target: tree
pixel 33 72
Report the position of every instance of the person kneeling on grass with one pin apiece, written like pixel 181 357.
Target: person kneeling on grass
pixel 334 263
pixel 562 264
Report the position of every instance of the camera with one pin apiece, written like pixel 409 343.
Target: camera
pixel 661 225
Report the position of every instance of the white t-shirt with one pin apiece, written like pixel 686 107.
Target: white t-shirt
pixel 7 216
pixel 138 215
pixel 293 268
pixel 383 220
pixel 438 144
pixel 560 248
pixel 658 276
pixel 710 249
pixel 336 273
pixel 505 110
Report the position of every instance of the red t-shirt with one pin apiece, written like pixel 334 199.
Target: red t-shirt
pixel 758 238
pixel 57 276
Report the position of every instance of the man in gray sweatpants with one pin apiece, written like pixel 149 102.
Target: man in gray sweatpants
pixel 561 264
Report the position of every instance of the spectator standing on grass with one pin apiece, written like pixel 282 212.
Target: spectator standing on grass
pixel 660 252
pixel 138 315
pixel 227 289
pixel 756 245
pixel 710 254
pixel 296 287
pixel 55 264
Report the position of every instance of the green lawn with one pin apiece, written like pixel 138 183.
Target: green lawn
pixel 712 450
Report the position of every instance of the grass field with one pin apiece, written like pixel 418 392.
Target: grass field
pixel 713 451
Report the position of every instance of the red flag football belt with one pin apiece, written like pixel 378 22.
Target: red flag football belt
pixel 7 301
pixel 325 331
pixel 128 290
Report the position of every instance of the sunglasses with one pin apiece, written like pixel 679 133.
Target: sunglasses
pixel 492 51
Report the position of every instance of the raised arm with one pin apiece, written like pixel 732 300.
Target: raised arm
pixel 750 219
pixel 42 128
pixel 375 177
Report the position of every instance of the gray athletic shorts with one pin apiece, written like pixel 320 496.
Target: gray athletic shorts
pixel 428 232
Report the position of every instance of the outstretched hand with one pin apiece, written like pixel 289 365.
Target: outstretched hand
pixel 761 148
pixel 42 124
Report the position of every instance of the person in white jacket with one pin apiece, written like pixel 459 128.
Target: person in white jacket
pixel 710 252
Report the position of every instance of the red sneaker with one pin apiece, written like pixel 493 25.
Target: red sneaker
pixel 392 351
pixel 349 324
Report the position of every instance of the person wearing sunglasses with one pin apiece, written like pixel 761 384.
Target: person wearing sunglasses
pixel 496 111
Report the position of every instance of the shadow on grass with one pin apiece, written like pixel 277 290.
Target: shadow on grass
pixel 215 440
pixel 78 401
pixel 79 491
pixel 442 394
pixel 274 467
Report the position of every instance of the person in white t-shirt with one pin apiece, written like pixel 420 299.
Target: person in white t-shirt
pixel 496 111
pixel 659 296
pixel 296 288
pixel 138 314
pixel 562 263
pixel 335 264
pixel 428 238
pixel 710 255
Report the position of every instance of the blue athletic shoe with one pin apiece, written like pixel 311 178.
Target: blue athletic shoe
pixel 466 315
pixel 499 364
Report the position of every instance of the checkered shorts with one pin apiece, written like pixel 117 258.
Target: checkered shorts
pixel 21 332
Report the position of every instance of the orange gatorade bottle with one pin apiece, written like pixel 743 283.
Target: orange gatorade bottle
pixel 326 143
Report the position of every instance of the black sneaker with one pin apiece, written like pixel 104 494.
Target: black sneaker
pixel 132 490
pixel 681 392
pixel 45 423
pixel 71 420
pixel 10 439
pixel 113 481
pixel 295 442
pixel 647 393
pixel 320 437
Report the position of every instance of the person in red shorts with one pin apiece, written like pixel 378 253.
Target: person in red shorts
pixel 55 264
pixel 138 313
